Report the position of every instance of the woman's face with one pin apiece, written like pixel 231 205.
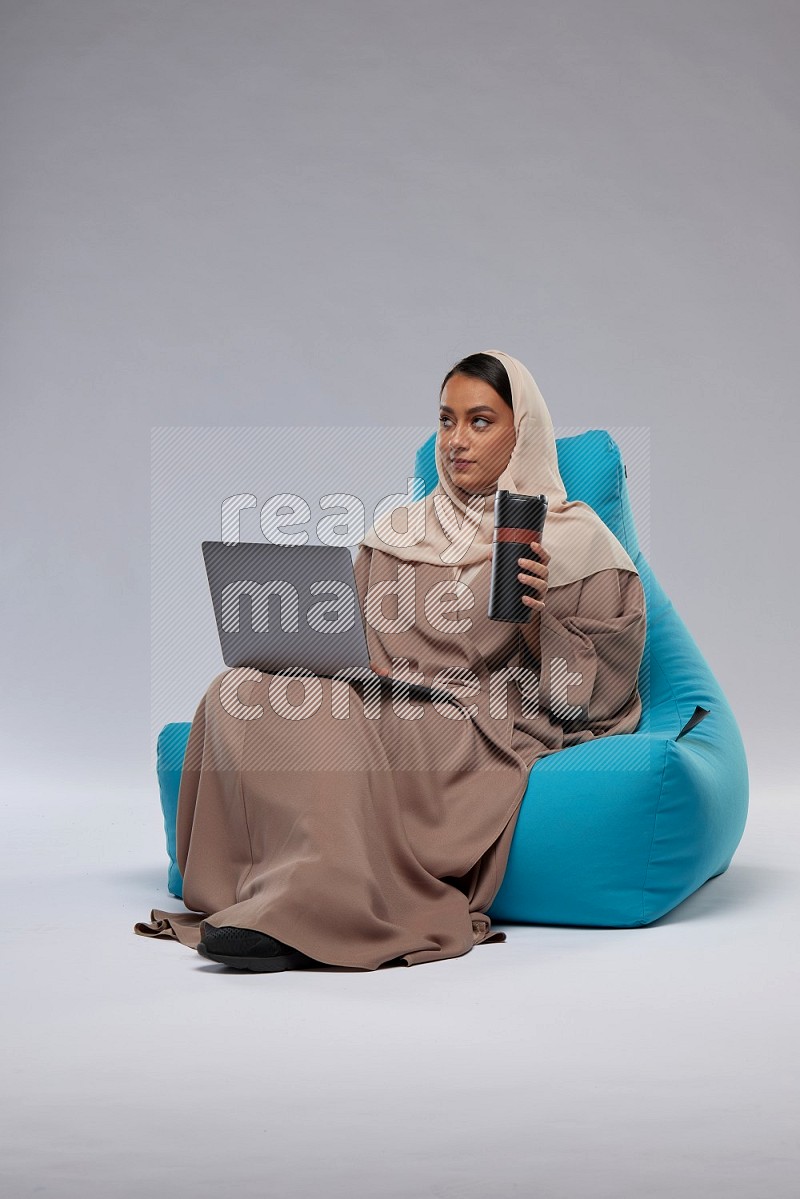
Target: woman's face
pixel 476 433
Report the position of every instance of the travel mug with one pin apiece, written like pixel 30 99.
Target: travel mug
pixel 518 520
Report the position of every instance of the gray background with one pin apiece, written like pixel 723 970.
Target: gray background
pixel 257 214
pixel 272 213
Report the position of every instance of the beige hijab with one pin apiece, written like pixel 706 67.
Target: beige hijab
pixel 433 530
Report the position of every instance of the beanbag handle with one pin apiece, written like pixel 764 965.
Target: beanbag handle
pixel 698 715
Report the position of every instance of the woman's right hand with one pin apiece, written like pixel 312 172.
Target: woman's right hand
pixel 384 670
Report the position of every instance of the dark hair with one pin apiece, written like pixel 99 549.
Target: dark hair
pixel 485 367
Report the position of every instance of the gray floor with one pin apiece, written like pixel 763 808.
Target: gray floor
pixel 566 1062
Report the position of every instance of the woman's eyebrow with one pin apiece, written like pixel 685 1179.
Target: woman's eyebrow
pixel 477 408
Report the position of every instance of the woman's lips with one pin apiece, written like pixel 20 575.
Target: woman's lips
pixel 461 463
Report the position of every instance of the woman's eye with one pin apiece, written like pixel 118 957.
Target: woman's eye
pixel 443 420
pixel 481 418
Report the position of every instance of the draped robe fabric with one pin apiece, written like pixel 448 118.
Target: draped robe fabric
pixel 363 835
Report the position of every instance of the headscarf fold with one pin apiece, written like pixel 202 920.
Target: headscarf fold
pixel 580 544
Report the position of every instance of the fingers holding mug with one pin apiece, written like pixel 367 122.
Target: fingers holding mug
pixel 534 573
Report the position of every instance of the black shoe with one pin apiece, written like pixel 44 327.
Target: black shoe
pixel 248 949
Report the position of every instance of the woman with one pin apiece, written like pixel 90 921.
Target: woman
pixel 380 834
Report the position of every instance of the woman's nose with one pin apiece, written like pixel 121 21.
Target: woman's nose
pixel 458 439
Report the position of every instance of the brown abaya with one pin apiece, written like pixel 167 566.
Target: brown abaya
pixel 363 835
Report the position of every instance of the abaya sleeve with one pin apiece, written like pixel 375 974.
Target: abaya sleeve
pixel 591 641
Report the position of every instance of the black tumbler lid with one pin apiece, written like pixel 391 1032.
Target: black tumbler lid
pixel 513 510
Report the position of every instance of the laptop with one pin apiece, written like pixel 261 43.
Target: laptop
pixel 281 606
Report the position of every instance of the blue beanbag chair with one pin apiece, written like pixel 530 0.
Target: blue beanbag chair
pixel 615 832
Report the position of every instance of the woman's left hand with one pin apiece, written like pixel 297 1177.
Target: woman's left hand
pixel 535 574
